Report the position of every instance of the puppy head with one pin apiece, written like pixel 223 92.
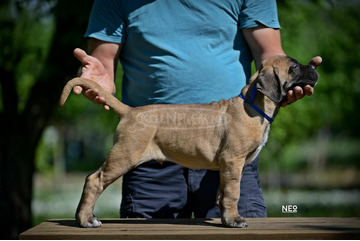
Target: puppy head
pixel 279 74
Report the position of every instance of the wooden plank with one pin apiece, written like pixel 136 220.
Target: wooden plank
pixel 259 228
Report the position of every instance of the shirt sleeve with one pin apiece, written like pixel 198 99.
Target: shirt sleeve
pixel 106 21
pixel 259 12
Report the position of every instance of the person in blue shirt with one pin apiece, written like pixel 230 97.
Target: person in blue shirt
pixel 177 52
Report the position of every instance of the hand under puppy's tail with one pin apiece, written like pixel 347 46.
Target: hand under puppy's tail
pixel 111 100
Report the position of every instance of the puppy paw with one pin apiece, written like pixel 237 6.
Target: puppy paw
pixel 237 222
pixel 90 222
pixel 93 223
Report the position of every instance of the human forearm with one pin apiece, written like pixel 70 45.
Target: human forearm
pixel 107 53
pixel 263 42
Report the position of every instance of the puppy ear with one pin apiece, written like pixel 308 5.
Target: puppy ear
pixel 253 77
pixel 269 84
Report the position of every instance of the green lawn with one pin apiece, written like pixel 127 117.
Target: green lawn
pixel 59 200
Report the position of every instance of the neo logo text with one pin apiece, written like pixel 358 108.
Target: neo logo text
pixel 289 208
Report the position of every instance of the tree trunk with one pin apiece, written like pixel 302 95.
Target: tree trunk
pixel 21 132
pixel 17 167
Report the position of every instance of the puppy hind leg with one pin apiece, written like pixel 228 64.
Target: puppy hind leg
pixel 229 194
pixel 95 184
pixel 91 191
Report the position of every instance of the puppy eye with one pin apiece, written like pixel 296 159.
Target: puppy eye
pixel 293 68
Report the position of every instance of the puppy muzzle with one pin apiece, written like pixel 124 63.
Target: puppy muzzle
pixel 309 76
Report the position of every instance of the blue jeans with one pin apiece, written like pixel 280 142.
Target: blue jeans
pixel 153 190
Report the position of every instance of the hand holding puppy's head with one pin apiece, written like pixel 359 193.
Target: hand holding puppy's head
pixel 278 75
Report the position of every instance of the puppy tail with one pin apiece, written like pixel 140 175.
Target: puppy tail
pixel 119 107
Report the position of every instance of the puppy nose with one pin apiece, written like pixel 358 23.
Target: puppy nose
pixel 312 75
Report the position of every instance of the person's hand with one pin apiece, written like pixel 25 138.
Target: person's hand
pixel 93 69
pixel 298 93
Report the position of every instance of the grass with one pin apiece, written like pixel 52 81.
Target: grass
pixel 313 203
pixel 55 199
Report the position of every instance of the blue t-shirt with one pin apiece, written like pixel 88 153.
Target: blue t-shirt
pixel 181 51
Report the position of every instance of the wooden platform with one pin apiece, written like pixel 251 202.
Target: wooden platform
pixel 259 228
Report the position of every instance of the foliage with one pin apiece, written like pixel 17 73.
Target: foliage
pixel 328 29
pixel 37 38
pixel 26 35
pixel 309 28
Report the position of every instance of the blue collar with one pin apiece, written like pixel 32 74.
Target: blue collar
pixel 251 102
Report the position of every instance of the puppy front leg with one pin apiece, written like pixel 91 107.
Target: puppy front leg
pixel 229 194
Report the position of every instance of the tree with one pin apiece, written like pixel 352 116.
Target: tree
pixel 329 29
pixel 32 77
pixel 22 121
